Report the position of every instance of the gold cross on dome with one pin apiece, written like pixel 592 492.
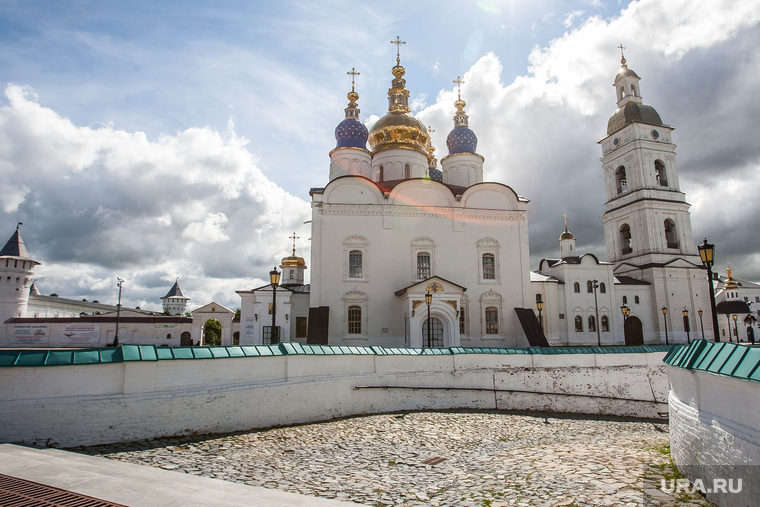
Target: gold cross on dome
pixel 294 238
pixel 353 75
pixel 565 216
pixel 621 48
pixel 459 84
pixel 398 43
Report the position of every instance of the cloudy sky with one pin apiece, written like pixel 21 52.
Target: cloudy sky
pixel 154 140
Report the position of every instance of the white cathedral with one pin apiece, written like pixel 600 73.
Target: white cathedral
pixel 408 255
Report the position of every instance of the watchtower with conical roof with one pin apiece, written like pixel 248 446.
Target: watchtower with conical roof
pixel 174 302
pixel 16 270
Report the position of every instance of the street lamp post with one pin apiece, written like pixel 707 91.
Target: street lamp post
pixel 274 278
pixel 625 311
pixel 119 284
pixel 596 308
pixel 665 318
pixel 701 323
pixel 736 327
pixel 707 254
pixel 540 307
pixel 686 325
pixel 428 301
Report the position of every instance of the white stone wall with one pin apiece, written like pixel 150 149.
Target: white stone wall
pixel 90 404
pixel 715 423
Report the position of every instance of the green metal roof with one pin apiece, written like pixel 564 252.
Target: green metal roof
pixel 128 353
pixel 727 359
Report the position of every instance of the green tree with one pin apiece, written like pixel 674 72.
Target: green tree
pixel 212 333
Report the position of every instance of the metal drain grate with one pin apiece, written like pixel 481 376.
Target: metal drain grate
pixel 15 492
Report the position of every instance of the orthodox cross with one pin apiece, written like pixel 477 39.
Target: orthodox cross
pixel 398 43
pixel 459 84
pixel 565 216
pixel 294 238
pixel 19 225
pixel 621 48
pixel 353 75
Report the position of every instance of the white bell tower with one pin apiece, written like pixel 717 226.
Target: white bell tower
pixel 647 226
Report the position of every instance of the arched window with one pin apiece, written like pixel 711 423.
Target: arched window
pixel 423 265
pixel 633 90
pixel 659 173
pixel 670 234
pixel 492 320
pixel 407 171
pixel 577 288
pixel 605 324
pixel 578 324
pixel 355 264
pixel 625 239
pixel 591 324
pixel 380 173
pixel 636 299
pixel 589 286
pixel 625 300
pixel 620 180
pixel 602 288
pixel 489 266
pixel 236 338
pixel 185 340
pixel 354 319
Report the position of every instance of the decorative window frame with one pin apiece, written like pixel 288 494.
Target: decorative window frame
pixel 360 243
pixel 488 299
pixel 354 297
pixel 462 318
pixel 491 246
pixel 422 244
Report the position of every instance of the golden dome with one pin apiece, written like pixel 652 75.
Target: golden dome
pixel 293 260
pixel 399 130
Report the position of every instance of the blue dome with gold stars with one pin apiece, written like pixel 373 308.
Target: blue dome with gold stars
pixel 462 140
pixel 351 133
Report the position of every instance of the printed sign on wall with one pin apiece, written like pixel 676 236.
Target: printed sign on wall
pixel 30 334
pixel 80 333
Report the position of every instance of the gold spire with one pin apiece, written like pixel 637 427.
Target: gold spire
pixel 432 161
pixel 398 95
pixel 352 111
pixel 731 284
pixel 460 117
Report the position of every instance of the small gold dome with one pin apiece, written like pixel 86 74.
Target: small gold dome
pixel 566 235
pixel 293 260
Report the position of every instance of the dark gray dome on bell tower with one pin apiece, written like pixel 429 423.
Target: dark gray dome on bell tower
pixel 631 109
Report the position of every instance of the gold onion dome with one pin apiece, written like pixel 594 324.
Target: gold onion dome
pixel 566 235
pixel 398 128
pixel 293 260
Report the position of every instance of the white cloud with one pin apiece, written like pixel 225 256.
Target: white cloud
pixel 571 17
pixel 210 230
pixel 97 201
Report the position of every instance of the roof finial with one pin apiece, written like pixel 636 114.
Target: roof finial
pixel 565 216
pixel 19 225
pixel 353 75
pixel 459 84
pixel 294 238
pixel 622 55
pixel 398 43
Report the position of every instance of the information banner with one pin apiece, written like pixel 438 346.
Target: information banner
pixel 80 333
pixel 30 334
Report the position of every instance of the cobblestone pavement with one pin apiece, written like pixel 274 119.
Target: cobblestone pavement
pixel 435 458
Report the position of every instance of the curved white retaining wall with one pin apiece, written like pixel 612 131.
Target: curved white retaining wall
pixel 715 432
pixel 91 404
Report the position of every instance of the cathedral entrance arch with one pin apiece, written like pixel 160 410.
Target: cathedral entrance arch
pixel 634 333
pixel 435 340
